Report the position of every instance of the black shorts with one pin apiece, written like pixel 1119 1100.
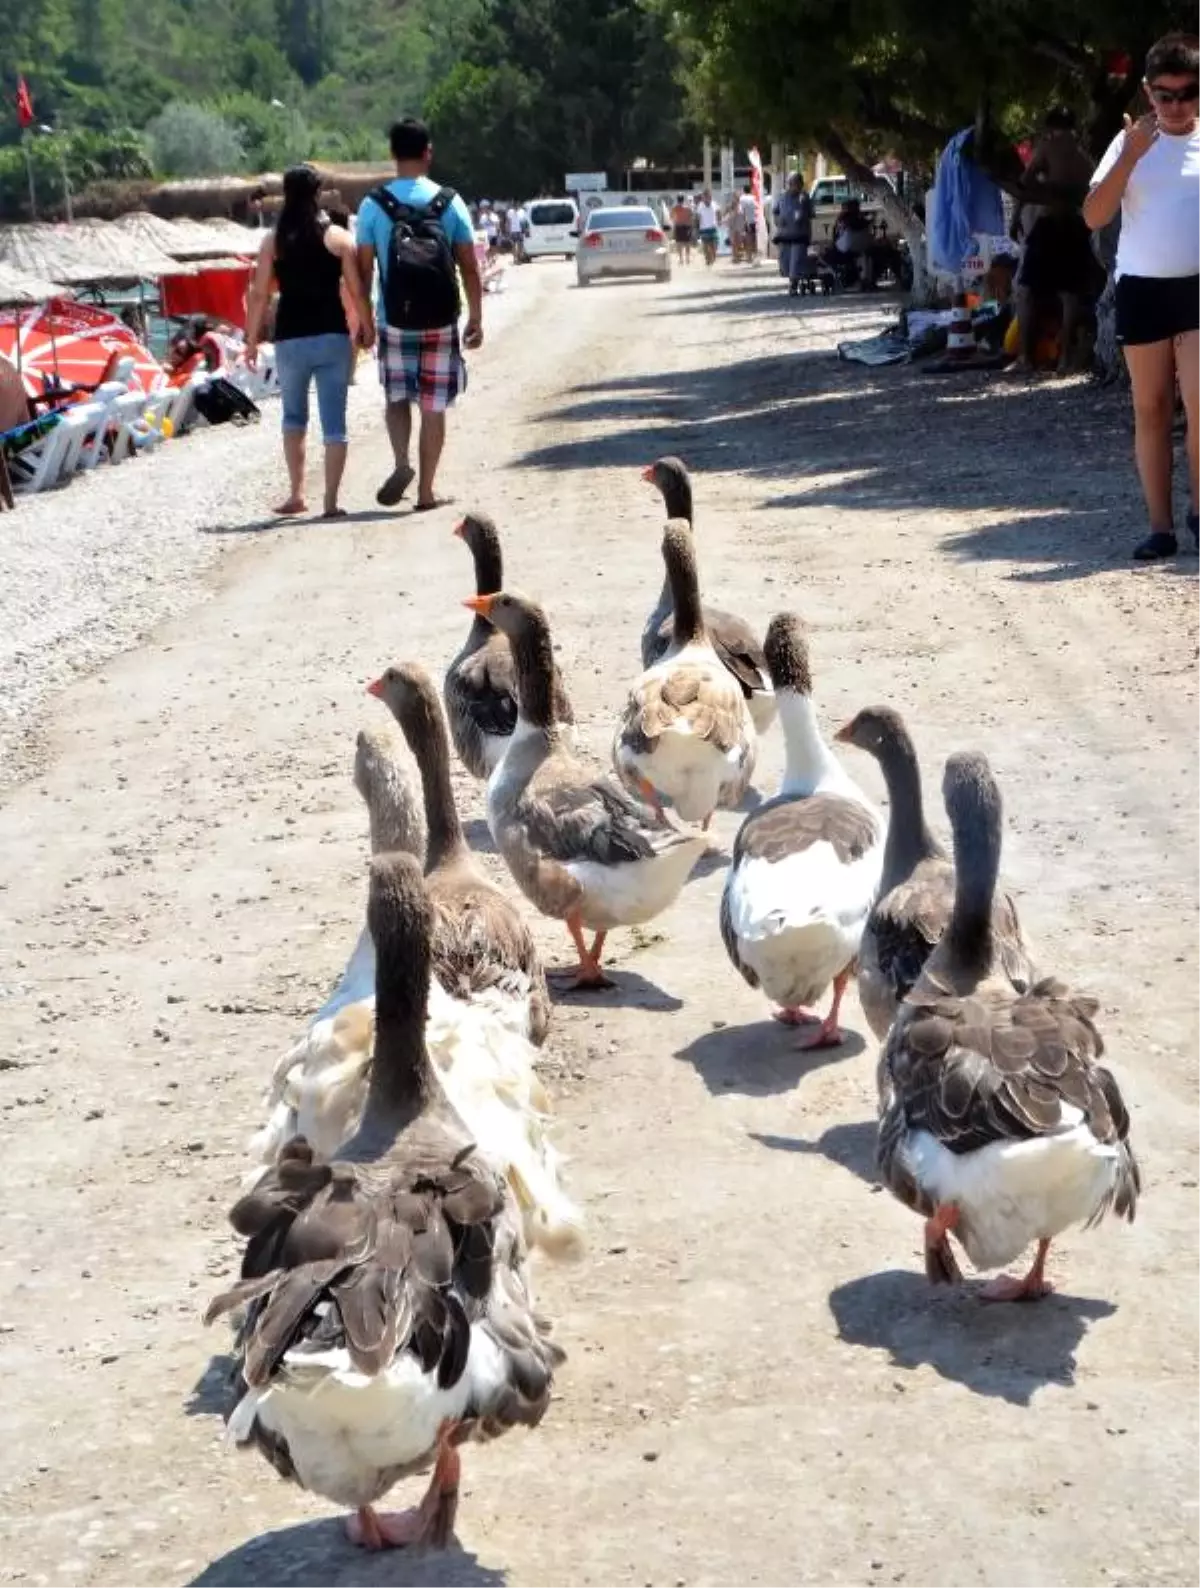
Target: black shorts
pixel 683 234
pixel 1156 308
pixel 1058 258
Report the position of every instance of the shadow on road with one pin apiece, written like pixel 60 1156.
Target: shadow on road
pixel 850 1146
pixel 1009 1351
pixel 1046 465
pixel 318 1553
pixel 212 1393
pixel 632 991
pixel 761 1059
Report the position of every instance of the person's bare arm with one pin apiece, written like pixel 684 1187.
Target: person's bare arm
pixel 468 264
pixel 1104 200
pixel 364 254
pixel 259 296
pixel 341 245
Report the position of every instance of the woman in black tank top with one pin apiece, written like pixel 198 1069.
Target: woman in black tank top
pixel 315 267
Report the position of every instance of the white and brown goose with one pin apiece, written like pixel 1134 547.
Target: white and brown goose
pixel 686 734
pixel 481 941
pixel 388 1311
pixel 477 1038
pixel 916 895
pixel 480 685
pixel 806 864
pixel 733 639
pixel 998 1124
pixel 577 844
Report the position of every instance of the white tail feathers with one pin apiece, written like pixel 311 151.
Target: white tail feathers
pixel 486 1065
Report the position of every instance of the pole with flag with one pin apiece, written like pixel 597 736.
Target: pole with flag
pixel 25 121
pixel 760 214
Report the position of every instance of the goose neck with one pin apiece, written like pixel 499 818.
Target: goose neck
pixel 977 867
pixel 909 840
pixel 810 764
pixel 684 586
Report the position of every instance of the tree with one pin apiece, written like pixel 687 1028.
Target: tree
pixel 580 85
pixel 873 77
pixel 190 140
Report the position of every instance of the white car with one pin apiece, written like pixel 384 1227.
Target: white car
pixel 624 241
pixel 553 228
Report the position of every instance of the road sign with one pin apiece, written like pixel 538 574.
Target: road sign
pixel 585 181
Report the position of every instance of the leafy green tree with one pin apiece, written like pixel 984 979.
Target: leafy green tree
pixel 191 140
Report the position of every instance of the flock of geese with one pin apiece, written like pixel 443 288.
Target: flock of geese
pixel 384 1312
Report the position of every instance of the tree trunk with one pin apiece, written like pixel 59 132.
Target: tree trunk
pixel 900 216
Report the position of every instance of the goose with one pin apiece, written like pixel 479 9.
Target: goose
pixel 996 1120
pixel 481 940
pixel 480 684
pixel 685 733
pixel 485 1062
pixel 734 641
pixel 388 1313
pixel 806 864
pixel 578 846
pixel 916 894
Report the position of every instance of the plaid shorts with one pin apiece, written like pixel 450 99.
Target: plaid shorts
pixel 422 367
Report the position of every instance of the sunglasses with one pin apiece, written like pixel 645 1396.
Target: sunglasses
pixel 1176 96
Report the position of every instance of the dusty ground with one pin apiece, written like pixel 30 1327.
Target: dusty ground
pixel 760 1388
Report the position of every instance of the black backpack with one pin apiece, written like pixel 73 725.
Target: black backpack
pixel 220 402
pixel 420 286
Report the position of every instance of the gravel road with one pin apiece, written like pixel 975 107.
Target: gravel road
pixel 760 1388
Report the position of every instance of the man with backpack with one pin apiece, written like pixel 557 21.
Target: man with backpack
pixel 417 234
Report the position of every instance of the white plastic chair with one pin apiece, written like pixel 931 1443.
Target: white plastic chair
pixel 37 466
pixel 84 425
pixel 133 431
pixel 181 402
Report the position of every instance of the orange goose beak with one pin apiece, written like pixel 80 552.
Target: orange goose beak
pixel 460 529
pixel 842 736
pixel 648 474
pixel 375 687
pixel 480 604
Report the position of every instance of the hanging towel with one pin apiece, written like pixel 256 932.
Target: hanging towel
pixel 965 202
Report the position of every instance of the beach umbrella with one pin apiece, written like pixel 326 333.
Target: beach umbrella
pixel 75 344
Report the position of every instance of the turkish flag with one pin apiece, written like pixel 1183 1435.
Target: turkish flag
pixel 24 103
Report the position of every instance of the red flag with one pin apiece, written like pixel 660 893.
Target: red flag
pixel 24 103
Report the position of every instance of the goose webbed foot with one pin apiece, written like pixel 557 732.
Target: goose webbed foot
pixel 1032 1287
pixel 587 973
pixel 830 1033
pixel 941 1268
pixel 429 1525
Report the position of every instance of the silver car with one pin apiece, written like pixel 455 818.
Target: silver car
pixel 624 241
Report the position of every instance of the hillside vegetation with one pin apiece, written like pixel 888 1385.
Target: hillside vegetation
pixel 519 89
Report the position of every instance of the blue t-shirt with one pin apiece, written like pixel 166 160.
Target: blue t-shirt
pixel 373 226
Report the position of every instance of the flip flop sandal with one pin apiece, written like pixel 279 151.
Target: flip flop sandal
pixel 429 507
pixel 1161 543
pixel 394 487
pixel 334 512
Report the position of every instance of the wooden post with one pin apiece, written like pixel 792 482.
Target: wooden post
pixel 708 163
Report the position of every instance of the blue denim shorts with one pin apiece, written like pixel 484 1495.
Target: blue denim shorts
pixel 326 359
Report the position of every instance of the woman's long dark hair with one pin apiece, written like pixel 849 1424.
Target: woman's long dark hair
pixel 300 218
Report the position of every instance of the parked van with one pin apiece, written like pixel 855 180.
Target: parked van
pixel 551 224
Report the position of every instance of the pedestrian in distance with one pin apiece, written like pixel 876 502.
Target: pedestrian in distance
pixel 682 221
pixel 416 234
pixel 313 261
pixel 793 232
pixel 708 224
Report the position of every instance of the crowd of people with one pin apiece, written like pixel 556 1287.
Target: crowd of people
pixel 858 252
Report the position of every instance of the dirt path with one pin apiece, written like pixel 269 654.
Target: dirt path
pixel 761 1388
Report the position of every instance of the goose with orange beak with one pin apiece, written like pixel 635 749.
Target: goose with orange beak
pixel 578 846
pixel 480 688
